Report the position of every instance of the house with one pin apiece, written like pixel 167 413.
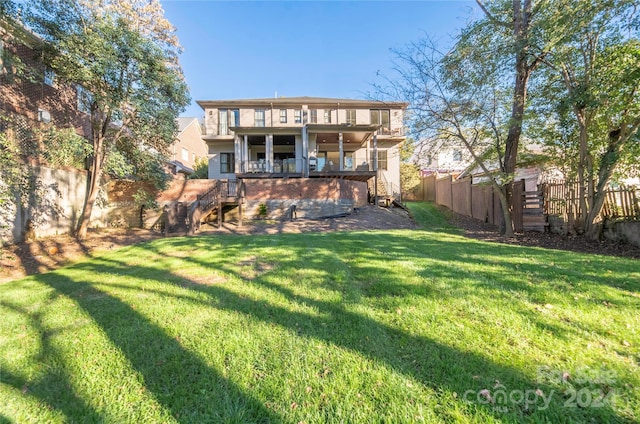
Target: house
pixel 321 156
pixel 441 157
pixel 188 146
pixel 30 93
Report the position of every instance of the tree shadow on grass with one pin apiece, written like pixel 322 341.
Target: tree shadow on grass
pixel 178 379
pixel 200 393
pixel 394 346
pixel 53 388
pixel 430 362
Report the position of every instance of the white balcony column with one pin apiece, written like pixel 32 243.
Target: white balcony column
pixel 305 151
pixel 269 152
pixel 341 151
pixel 245 153
pixel 237 152
pixel 368 154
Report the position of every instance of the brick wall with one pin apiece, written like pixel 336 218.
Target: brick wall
pixel 313 197
pixel 25 94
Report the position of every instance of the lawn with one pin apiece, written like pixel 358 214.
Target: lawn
pixel 358 327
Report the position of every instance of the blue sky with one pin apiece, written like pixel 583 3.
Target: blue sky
pixel 248 49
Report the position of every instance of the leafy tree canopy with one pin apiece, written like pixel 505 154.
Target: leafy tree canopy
pixel 123 56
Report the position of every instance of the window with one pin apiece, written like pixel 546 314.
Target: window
pixel 185 155
pixel 259 118
pixel 297 116
pixel 85 99
pixel 381 117
pixel 382 159
pixel 283 116
pixel 314 116
pixel 227 163
pixel 351 116
pixel 327 116
pixel 227 118
pixel 49 76
pixel 457 156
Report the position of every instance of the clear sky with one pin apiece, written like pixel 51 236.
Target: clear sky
pixel 249 49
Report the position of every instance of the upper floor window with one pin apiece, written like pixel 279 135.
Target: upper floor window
pixel 185 155
pixel 313 116
pixel 297 116
pixel 227 118
pixel 259 118
pixel 351 116
pixel 85 99
pixel 457 156
pixel 381 117
pixel 327 116
pixel 283 116
pixel 49 76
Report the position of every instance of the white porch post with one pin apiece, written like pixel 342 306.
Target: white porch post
pixel 368 153
pixel 237 152
pixel 341 151
pixel 245 153
pixel 269 152
pixel 305 151
pixel 375 167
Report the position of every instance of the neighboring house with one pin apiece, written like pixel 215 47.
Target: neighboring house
pixel 442 157
pixel 532 167
pixel 30 93
pixel 299 149
pixel 188 146
pixel 32 98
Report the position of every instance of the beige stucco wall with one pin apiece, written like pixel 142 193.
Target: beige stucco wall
pixel 247 117
pixel 214 159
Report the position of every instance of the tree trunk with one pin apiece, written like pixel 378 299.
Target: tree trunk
pixel 583 210
pixel 513 136
pixel 506 204
pixel 608 164
pixel 93 187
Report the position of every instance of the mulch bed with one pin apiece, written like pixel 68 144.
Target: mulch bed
pixel 476 229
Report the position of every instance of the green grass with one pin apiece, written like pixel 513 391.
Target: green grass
pixel 360 327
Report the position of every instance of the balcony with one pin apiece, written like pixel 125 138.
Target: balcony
pixel 279 166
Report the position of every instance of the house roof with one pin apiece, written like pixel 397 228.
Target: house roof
pixel 302 100
pixel 184 122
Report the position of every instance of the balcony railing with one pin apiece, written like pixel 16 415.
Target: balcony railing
pixel 279 166
pixel 391 131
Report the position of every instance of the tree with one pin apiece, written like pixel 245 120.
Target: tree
pixel 123 56
pixel 456 101
pixel 513 38
pixel 201 169
pixel 593 77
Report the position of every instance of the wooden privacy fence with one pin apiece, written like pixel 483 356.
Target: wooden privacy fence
pixel 563 199
pixel 476 201
pixel 479 201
